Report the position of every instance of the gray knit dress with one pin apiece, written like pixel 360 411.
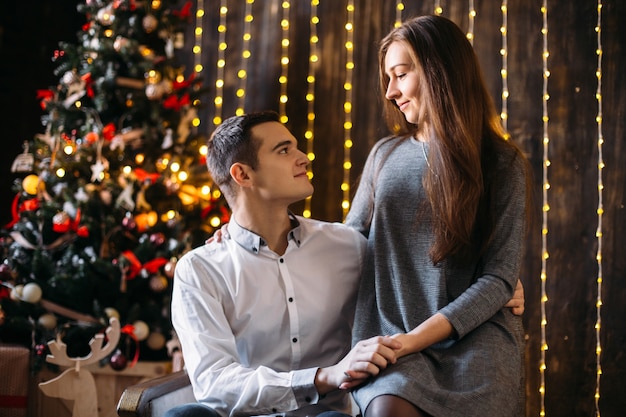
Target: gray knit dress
pixel 478 372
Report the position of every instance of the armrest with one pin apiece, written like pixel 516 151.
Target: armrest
pixel 153 397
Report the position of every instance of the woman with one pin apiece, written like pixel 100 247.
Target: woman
pixel 443 204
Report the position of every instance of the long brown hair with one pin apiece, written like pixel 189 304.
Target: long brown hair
pixel 461 125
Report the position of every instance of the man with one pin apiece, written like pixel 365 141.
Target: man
pixel 264 314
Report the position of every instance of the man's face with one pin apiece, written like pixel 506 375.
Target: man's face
pixel 281 174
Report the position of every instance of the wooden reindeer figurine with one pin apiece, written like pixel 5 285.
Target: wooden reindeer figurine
pixel 77 383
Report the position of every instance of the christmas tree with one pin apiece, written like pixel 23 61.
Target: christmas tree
pixel 114 190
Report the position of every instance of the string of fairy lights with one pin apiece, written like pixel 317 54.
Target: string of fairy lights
pixel 309 134
pixel 284 62
pixel 221 63
pixel 399 10
pixel 545 209
pixel 198 67
pixel 242 74
pixel 504 72
pixel 347 107
pixel 197 44
pixel 600 210
pixel 471 14
pixel 438 10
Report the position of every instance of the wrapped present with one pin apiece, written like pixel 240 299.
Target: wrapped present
pixel 14 361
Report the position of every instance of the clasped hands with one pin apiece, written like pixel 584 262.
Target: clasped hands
pixel 366 359
pixel 370 356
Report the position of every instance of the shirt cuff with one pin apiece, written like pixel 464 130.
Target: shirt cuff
pixel 303 385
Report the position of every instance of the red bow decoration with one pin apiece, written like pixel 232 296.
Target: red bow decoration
pixel 88 79
pixel 67 224
pixel 143 175
pixel 177 85
pixel 135 265
pixel 16 208
pixel 129 330
pixel 172 102
pixel 185 11
pixel 45 96
pixel 205 211
pixel 225 215
pixel 108 131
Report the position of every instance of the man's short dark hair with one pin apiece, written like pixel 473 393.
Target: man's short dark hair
pixel 231 142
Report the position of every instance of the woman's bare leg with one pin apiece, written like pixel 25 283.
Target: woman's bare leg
pixel 392 406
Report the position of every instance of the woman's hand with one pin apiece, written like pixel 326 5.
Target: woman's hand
pixel 366 359
pixel 516 304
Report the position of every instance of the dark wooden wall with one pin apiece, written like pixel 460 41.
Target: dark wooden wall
pixel 572 269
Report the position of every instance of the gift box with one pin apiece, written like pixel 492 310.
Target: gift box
pixel 14 362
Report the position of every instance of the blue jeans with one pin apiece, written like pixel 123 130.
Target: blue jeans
pixel 199 410
pixel 191 410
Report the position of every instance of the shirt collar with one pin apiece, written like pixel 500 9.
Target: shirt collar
pixel 253 242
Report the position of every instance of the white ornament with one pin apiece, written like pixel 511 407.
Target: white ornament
pixel 142 331
pixel 31 293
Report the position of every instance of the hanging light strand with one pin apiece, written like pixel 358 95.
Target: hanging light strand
pixel 347 108
pixel 197 48
pixel 545 210
pixel 600 211
pixel 399 10
pixel 309 135
pixel 504 72
pixel 471 18
pixel 221 63
pixel 284 62
pixel 197 44
pixel 242 74
pixel 438 8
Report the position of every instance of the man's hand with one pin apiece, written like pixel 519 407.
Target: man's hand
pixel 367 358
pixel 516 304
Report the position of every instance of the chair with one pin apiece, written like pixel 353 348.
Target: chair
pixel 154 397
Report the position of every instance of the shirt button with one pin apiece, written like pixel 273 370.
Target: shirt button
pixel 291 299
pixel 282 260
pixel 307 399
pixel 294 340
pixel 274 410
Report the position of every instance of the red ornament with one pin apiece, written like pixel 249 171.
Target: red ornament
pixel 41 350
pixel 61 222
pixel 118 361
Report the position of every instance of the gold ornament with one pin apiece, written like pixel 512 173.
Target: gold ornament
pixel 150 23
pixel 156 341
pixel 30 184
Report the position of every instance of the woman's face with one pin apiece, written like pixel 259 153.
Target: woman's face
pixel 404 83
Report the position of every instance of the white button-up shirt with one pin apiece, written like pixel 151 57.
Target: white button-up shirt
pixel 255 326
